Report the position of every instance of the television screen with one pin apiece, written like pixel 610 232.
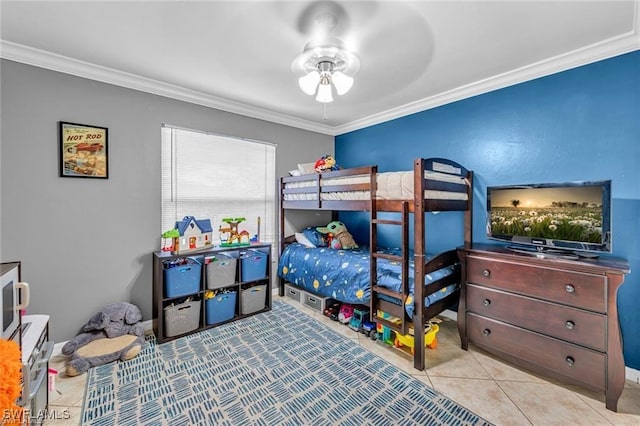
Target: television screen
pixel 569 216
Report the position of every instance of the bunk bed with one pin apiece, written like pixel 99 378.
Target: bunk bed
pixel 434 185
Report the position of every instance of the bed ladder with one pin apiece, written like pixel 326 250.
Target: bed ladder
pixel 401 326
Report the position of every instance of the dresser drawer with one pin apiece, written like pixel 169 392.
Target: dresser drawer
pixel 582 290
pixel 580 364
pixel 563 322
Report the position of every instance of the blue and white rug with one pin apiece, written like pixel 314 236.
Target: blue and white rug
pixel 281 367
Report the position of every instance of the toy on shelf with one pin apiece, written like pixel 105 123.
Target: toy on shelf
pixel 169 239
pixel 230 236
pixel 189 234
pixel 430 340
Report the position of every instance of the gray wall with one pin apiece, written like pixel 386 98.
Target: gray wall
pixel 85 243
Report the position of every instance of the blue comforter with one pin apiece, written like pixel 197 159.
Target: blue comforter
pixel 344 274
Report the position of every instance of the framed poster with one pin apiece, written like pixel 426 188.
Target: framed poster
pixel 83 151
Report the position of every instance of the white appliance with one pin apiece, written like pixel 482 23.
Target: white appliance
pixel 13 298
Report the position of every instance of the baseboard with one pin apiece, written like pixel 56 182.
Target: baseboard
pixel 633 375
pixel 449 314
pixel 147 326
pixel 57 348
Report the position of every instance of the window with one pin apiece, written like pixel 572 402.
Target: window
pixel 215 177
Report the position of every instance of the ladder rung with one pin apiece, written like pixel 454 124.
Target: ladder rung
pixel 392 325
pixel 388 292
pixel 388 256
pixel 387 222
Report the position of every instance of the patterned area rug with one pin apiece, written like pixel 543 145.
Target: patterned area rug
pixel 276 368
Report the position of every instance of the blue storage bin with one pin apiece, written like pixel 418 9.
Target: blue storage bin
pixel 182 280
pixel 253 265
pixel 221 308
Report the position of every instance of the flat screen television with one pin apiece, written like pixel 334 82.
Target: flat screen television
pixel 570 218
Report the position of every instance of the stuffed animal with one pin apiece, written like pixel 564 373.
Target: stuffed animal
pixel 341 238
pixel 113 333
pixel 326 163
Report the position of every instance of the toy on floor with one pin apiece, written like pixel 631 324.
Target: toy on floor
pixel 332 310
pixel 115 332
pixel 345 314
pixel 430 340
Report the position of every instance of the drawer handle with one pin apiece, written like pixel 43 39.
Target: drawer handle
pixel 570 325
pixel 486 273
pixel 570 361
pixel 569 288
pixel 486 302
pixel 486 332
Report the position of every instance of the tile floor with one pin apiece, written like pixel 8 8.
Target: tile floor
pixel 495 390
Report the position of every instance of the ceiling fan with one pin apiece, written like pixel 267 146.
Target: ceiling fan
pixel 325 62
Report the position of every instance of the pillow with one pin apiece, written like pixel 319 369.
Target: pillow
pixel 307 168
pixel 300 238
pixel 316 238
pixel 294 172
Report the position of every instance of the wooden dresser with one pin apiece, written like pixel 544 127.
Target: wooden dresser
pixel 554 316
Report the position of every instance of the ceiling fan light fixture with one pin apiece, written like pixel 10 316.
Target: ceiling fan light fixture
pixel 324 92
pixel 309 82
pixel 342 82
pixel 325 62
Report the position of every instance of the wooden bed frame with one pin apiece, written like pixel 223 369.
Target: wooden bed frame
pixel 320 185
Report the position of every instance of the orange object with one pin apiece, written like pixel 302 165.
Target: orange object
pixel 430 339
pixel 10 387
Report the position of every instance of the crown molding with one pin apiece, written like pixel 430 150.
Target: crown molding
pixel 615 46
pixel 626 43
pixel 52 61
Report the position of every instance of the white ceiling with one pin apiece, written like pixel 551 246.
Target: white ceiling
pixel 236 55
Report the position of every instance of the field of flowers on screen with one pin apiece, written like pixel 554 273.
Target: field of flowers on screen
pixel 559 223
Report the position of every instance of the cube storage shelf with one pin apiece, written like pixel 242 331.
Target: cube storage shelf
pixel 203 289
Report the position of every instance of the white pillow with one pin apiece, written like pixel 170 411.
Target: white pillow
pixel 302 239
pixel 294 172
pixel 307 168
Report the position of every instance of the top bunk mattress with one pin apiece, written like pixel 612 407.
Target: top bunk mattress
pixel 390 186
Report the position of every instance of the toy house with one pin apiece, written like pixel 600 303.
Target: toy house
pixel 194 234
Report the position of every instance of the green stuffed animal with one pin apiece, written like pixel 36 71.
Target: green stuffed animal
pixel 341 238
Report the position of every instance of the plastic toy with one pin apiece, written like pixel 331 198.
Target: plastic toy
pixel 385 334
pixel 194 234
pixel 332 310
pixel 169 239
pixel 359 315
pixel 345 314
pixel 234 237
pixel 369 329
pixel 430 339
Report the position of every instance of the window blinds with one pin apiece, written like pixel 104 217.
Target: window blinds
pixel 214 177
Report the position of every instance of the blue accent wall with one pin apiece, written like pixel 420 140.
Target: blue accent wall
pixel 581 124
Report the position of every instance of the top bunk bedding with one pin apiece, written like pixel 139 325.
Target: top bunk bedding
pixel 444 185
pixel 389 186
